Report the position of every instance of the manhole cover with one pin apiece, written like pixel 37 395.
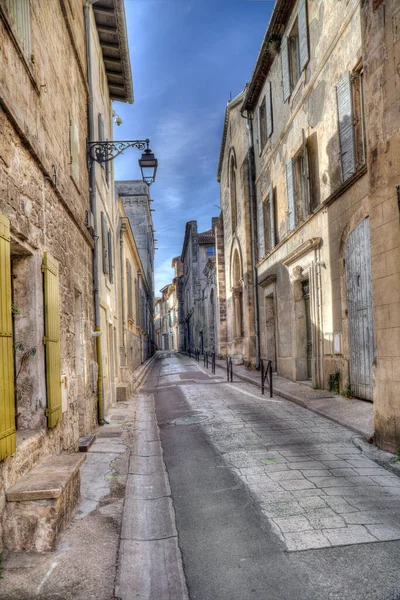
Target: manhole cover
pixel 190 420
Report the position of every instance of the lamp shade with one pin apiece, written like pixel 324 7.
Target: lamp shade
pixel 148 165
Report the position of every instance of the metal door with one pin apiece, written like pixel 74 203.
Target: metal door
pixel 357 257
pixel 306 296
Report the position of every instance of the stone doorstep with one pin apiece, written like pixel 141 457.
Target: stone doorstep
pixel 48 479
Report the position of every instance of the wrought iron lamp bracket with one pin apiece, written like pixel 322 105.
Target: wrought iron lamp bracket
pixel 104 151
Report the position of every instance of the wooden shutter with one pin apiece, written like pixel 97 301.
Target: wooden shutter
pixel 110 256
pixel 346 126
pixel 19 11
pixel 260 230
pixel 271 217
pixel 7 404
pixel 268 110
pixel 303 34
pixel 52 339
pixel 285 69
pixel 290 194
pixel 259 132
pixel 130 288
pixel 104 242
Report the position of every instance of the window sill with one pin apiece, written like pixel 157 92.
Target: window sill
pixel 20 51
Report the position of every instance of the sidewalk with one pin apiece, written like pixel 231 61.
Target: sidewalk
pixel 355 414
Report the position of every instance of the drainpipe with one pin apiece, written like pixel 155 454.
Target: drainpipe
pixel 252 194
pixel 93 208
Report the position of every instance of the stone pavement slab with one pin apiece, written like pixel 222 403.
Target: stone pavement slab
pixel 303 470
pixel 150 570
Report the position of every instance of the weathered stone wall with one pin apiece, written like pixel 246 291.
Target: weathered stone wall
pixel 381 55
pixel 46 203
pixel 237 240
pixel 310 114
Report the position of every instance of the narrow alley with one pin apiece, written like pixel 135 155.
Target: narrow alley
pixel 256 481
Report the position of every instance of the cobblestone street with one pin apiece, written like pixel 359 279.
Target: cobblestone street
pixel 311 486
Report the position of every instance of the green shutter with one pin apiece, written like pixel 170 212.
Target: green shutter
pixel 268 110
pixel 104 243
pixel 7 403
pixel 303 34
pixel 52 339
pixel 261 230
pixel 271 217
pixel 346 126
pixel 290 195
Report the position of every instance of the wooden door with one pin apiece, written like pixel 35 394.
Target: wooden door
pixel 360 313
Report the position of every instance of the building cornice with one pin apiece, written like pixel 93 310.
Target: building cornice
pixel 301 250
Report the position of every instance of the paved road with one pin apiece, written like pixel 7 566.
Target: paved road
pixel 272 502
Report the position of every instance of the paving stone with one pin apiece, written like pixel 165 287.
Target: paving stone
pixel 323 482
pixel 386 481
pixel 286 475
pixel 365 517
pixel 148 487
pixel 370 471
pixel 274 468
pixel 339 505
pixel 294 523
pixel 311 464
pixel 150 569
pixel 385 532
pixel 282 496
pixel 343 472
pixel 148 519
pixel 325 518
pixel 336 464
pixel 354 534
pixel 361 462
pixel 308 493
pixel 305 540
pixel 297 484
pixel 146 465
pixel 281 509
pixel 361 480
pixel 312 502
pixel 316 473
pixel 143 448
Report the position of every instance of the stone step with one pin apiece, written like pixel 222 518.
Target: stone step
pixel 42 502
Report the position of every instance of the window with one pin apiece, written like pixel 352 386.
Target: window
pixel 302 182
pixel 210 251
pixel 264 119
pixel 129 288
pixel 262 122
pixel 294 51
pixel 110 256
pixel 104 241
pixel 271 225
pixel 233 194
pixel 351 127
pixel 20 16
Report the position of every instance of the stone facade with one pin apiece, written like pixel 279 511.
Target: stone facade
pixel 44 194
pixel 133 337
pixel 192 297
pixel 380 23
pixel 234 241
pixel 46 205
pixel 309 199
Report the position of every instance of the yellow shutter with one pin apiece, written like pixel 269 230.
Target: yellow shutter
pixel 52 339
pixel 7 401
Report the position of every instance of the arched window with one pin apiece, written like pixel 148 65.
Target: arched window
pixel 237 296
pixel 232 186
pixel 236 275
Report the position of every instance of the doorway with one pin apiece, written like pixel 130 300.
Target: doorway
pixel 270 330
pixel 305 286
pixel 358 275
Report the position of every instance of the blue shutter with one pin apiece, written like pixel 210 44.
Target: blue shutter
pixel 303 34
pixel 110 256
pixel 285 69
pixel 260 230
pixel 346 126
pixel 271 217
pixel 290 194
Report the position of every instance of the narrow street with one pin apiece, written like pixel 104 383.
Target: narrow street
pixel 272 501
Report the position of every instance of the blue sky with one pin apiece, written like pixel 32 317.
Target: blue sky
pixel 187 57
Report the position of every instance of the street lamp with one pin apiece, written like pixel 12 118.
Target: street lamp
pixel 104 151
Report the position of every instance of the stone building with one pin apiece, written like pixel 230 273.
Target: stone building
pixel 193 321
pixel 234 242
pixel 135 197
pixel 47 245
pixel 169 318
pixel 157 323
pixel 134 330
pixel 380 25
pixel 305 109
